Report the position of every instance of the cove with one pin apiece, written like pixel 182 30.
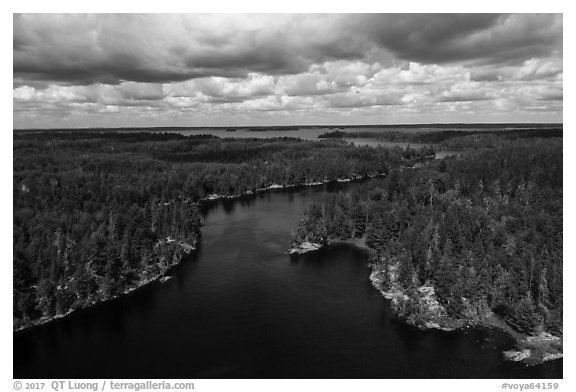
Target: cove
pixel 240 307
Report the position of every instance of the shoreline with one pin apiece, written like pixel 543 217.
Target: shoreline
pixel 307 246
pixel 530 349
pixel 187 248
pixel 274 186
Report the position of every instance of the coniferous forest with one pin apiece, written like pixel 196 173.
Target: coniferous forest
pixel 469 239
pixel 474 238
pixel 98 214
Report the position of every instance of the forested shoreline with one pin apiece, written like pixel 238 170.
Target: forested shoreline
pixel 470 240
pixel 99 214
pixel 452 139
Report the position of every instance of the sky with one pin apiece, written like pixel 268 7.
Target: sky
pixel 121 70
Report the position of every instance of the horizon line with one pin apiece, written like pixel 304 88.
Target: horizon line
pixel 409 125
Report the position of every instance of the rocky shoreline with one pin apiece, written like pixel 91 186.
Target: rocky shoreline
pixel 352 178
pixel 309 246
pixel 145 279
pixel 187 248
pixel 421 308
pixel 304 247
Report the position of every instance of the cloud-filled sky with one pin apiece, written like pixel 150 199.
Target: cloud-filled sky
pixel 94 70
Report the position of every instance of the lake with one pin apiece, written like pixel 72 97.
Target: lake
pixel 240 307
pixel 310 134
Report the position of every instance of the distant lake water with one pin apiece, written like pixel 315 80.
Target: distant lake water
pixel 240 307
pixel 301 133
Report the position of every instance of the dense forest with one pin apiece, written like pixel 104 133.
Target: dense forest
pixel 464 239
pixel 98 214
pixel 455 139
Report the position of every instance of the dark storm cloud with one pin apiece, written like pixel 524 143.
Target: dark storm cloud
pixel 424 37
pixel 87 49
pixel 481 38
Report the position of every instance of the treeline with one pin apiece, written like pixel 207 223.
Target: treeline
pixel 452 139
pixel 97 214
pixel 482 232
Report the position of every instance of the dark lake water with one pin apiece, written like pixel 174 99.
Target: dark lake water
pixel 240 307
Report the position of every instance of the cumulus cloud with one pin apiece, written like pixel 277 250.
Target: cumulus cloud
pixel 85 49
pixel 534 69
pixel 363 98
pixel 327 78
pixel 144 67
pixel 415 74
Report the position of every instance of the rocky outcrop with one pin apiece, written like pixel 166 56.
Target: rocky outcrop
pixel 516 356
pixel 420 307
pixel 304 247
pixel 536 349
